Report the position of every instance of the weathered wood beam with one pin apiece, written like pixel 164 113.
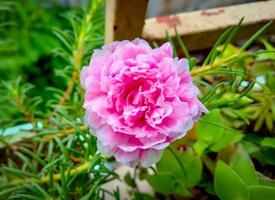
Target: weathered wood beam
pixel 124 19
pixel 200 29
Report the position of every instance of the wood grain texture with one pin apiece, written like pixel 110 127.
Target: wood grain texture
pixel 124 19
pixel 200 29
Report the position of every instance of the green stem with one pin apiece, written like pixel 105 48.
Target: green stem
pixel 206 68
pixel 179 161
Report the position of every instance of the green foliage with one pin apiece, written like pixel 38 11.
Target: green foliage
pixel 239 181
pixel 228 184
pixel 26 38
pixel 261 192
pixel 230 81
pixel 243 166
pixel 213 134
pixel 184 170
pixel 162 182
pixel 57 157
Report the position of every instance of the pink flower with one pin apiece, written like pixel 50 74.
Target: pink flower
pixel 138 100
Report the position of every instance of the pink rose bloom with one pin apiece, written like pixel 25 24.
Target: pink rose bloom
pixel 138 100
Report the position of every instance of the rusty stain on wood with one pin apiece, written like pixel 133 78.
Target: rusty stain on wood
pixel 212 12
pixel 171 21
pixel 200 29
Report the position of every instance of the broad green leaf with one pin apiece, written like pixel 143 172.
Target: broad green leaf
pixel 167 162
pixel 193 167
pixel 250 147
pixel 228 185
pixel 194 171
pixel 181 190
pixel 268 155
pixel 213 134
pixel 260 192
pixel 268 142
pixel 243 166
pixel 228 138
pixel 268 150
pixel 162 182
pixel 265 181
pixel 191 163
pixel 207 130
pixel 200 146
pixel 129 180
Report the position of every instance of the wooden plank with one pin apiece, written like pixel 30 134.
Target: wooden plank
pixel 200 29
pixel 124 19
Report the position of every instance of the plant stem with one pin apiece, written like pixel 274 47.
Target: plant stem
pixel 77 55
pixel 206 68
pixel 56 177
pixel 62 134
pixel 178 160
pixel 21 106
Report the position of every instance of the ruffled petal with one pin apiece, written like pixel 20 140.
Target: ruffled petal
pixel 149 157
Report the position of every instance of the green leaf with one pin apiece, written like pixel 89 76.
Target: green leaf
pixel 260 192
pixel 228 137
pixel 9 190
pixel 213 53
pixel 179 161
pixel 211 131
pixel 25 196
pixel 191 164
pixel 269 51
pixel 265 181
pixel 170 40
pixel 255 36
pixel 193 169
pixel 181 190
pixel 129 180
pixel 232 35
pixel 268 121
pixel 268 142
pixel 243 166
pixel 268 150
pixel 200 146
pixel 212 92
pixel 228 185
pixel 259 123
pixel 162 182
pixel 171 162
pixel 167 162
pixel 208 131
pixel 268 155
pixel 183 47
pixel 18 172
